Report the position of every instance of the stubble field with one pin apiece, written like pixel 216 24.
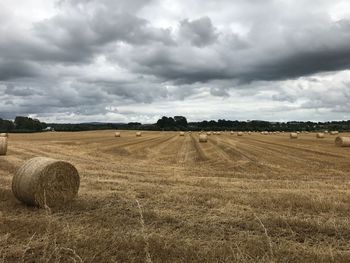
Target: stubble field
pixel 166 198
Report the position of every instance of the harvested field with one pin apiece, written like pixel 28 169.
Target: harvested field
pixel 168 198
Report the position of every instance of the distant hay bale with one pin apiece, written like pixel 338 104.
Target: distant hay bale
pixel 218 133
pixel 239 133
pixel 182 134
pixel 3 145
pixel 334 133
pixel 249 133
pixel 298 132
pixel 293 135
pixel 44 182
pixel 208 133
pixel 4 135
pixel 320 135
pixel 203 138
pixel 138 134
pixel 232 133
pixel 342 141
pixel 117 134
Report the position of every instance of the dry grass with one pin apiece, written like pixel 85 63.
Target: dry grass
pixel 166 198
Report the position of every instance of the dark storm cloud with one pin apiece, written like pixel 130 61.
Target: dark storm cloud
pixel 90 55
pixel 199 32
pixel 290 55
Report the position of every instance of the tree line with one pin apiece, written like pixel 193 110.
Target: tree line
pixel 176 123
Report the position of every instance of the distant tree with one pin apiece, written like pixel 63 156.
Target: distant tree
pixel 6 125
pixel 180 121
pixel 166 123
pixel 29 124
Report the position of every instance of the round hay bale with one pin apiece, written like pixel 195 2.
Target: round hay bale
pixel 4 135
pixel 334 133
pixel 239 133
pixel 203 138
pixel 342 141
pixel 138 134
pixel 218 133
pixel 117 134
pixel 3 145
pixel 182 134
pixel 208 133
pixel 232 133
pixel 249 133
pixel 320 135
pixel 293 135
pixel 44 182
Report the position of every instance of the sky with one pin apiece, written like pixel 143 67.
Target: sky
pixel 138 60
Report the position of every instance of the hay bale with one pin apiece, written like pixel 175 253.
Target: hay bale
pixel 320 135
pixel 203 138
pixel 334 133
pixel 182 134
pixel 138 134
pixel 293 135
pixel 239 133
pixel 44 181
pixel 342 141
pixel 3 145
pixel 218 133
pixel 232 133
pixel 117 134
pixel 249 133
pixel 4 135
pixel 208 133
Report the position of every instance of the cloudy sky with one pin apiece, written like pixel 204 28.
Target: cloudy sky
pixel 137 60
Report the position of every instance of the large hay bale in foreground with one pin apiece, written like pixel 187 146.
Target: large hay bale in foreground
pixel 3 145
pixel 293 135
pixel 239 133
pixel 138 134
pixel 4 135
pixel 44 182
pixel 117 134
pixel 320 135
pixel 334 133
pixel 342 141
pixel 182 134
pixel 203 138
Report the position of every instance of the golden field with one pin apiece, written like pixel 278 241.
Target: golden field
pixel 168 198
